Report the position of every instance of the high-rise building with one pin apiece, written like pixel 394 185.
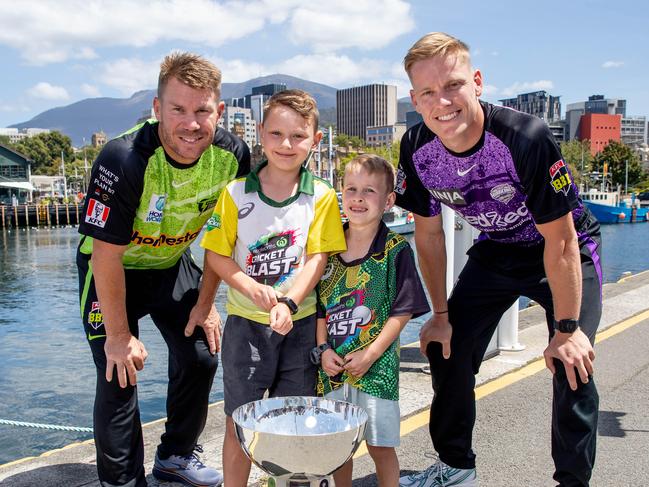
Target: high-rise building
pixel 600 129
pixel 633 131
pixel 381 135
pixel 365 106
pixel 537 103
pixel 240 122
pixel 594 104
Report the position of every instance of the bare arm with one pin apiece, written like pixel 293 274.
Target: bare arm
pixel 431 254
pixel 204 313
pixel 563 270
pixel 123 350
pixel 359 362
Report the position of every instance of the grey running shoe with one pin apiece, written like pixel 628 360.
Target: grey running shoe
pixel 188 470
pixel 441 475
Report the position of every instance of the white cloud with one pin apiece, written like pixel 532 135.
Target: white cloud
pixel 364 24
pixel 489 90
pixel 238 70
pixel 48 92
pixel 90 90
pixel 50 32
pixel 332 69
pixel 130 75
pixel 518 87
pixel 612 64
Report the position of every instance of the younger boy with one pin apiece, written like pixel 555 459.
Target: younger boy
pixel 368 294
pixel 268 239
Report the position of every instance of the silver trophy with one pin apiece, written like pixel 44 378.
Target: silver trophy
pixel 299 441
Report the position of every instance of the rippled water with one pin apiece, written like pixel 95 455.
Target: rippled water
pixel 46 369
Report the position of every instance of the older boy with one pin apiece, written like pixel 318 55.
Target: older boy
pixel 504 173
pixel 368 294
pixel 269 238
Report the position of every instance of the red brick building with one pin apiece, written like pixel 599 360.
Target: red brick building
pixel 599 128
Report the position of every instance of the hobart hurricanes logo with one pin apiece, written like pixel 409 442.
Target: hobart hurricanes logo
pixel 271 259
pixel 346 318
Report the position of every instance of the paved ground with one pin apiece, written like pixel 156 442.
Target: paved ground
pixel 512 430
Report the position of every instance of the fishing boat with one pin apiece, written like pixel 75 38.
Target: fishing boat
pixel 607 207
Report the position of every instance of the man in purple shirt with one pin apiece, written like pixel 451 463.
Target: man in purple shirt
pixel 502 171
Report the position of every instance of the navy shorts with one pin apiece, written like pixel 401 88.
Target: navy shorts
pixel 255 359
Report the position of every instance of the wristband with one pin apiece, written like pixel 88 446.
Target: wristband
pixel 440 312
pixel 316 353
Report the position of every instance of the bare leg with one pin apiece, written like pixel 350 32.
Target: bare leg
pixel 387 465
pixel 236 465
pixel 343 476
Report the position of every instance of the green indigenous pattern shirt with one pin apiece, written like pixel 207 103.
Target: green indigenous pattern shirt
pixel 140 197
pixel 357 298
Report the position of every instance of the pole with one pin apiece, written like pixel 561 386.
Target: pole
pixel 331 157
pixel 626 177
pixel 65 186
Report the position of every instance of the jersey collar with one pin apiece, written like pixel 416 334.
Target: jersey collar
pixel 305 185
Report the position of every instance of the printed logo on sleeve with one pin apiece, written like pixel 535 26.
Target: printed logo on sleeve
pixel 560 177
pixel 400 185
pixel 214 222
pixel 95 317
pixel 97 213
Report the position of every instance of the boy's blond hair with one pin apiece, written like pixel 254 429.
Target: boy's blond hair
pixel 190 69
pixel 435 44
pixel 374 164
pixel 298 100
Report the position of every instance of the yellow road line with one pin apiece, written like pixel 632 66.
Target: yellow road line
pixel 420 419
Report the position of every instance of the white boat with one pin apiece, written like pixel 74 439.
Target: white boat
pixel 399 220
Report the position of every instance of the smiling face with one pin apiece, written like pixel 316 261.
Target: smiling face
pixel 188 118
pixel 445 91
pixel 287 137
pixel 365 196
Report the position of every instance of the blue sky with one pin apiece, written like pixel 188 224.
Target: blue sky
pixel 56 53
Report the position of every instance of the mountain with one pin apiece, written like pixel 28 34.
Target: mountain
pixel 81 119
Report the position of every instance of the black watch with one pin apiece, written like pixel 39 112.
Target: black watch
pixel 566 326
pixel 316 353
pixel 288 302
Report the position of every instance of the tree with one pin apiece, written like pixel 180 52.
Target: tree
pixel 578 157
pixel 616 158
pixel 388 152
pixel 345 140
pixel 6 141
pixel 45 151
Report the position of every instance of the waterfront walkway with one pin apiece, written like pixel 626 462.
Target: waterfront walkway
pixel 512 435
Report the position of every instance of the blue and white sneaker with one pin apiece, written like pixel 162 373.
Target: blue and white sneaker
pixel 441 475
pixel 188 470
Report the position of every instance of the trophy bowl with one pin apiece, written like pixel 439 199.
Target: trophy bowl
pixel 308 436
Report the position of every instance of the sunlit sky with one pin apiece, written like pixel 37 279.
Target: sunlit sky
pixel 54 53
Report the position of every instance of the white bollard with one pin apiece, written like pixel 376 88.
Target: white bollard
pixel 508 330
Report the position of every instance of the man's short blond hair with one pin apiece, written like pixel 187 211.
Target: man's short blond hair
pixel 191 69
pixel 298 100
pixel 432 45
pixel 374 164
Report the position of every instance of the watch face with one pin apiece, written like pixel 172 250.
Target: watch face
pixel 567 326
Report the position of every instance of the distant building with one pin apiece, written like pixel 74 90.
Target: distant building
pixel 599 129
pixel 365 106
pixel 537 103
pixel 633 131
pixel 384 134
pixel 558 130
pixel 413 118
pixel 594 104
pixel 239 121
pixel 99 139
pixel 16 135
pixel 15 172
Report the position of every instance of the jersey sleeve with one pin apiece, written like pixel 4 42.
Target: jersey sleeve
pixel 410 298
pixel 544 175
pixel 221 234
pixel 411 193
pixel 326 230
pixel 114 191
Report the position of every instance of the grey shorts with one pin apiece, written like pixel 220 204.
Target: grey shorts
pixel 384 418
pixel 255 359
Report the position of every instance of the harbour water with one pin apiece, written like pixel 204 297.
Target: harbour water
pixel 46 371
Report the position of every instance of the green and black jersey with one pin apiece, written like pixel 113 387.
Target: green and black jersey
pixel 140 197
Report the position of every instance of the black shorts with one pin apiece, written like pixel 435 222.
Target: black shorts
pixel 255 359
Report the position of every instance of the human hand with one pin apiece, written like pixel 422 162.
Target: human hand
pixel 208 318
pixel 436 329
pixel 263 296
pixel 127 354
pixel 575 352
pixel 359 362
pixel 281 320
pixel 332 363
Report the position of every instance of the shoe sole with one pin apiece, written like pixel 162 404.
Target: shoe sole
pixel 169 475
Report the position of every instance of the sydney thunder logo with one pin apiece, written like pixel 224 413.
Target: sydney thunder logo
pixel 272 258
pixel 346 318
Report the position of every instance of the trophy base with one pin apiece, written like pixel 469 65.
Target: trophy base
pixel 298 480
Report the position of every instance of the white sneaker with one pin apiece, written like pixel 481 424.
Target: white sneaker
pixel 441 475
